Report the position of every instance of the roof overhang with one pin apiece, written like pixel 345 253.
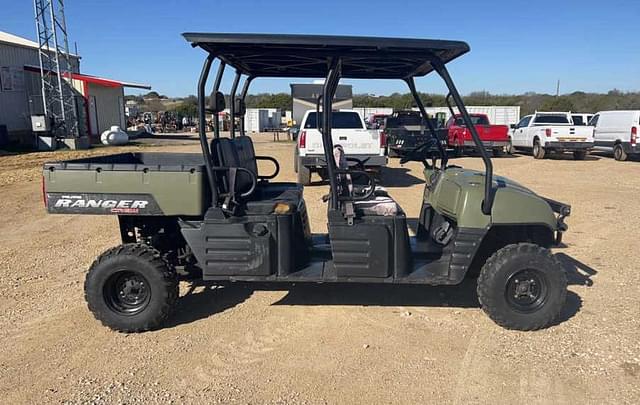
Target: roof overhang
pixel 100 81
pixel 267 55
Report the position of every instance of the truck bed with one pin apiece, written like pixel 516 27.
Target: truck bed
pixel 127 184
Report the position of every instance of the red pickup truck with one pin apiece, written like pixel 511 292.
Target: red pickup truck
pixel 493 137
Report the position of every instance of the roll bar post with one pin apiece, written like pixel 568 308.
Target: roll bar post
pixel 328 91
pixel 416 97
pixel 487 203
pixel 232 104
pixel 216 87
pixel 448 101
pixel 243 96
pixel 202 127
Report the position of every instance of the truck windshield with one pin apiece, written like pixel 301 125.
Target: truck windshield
pixel 551 119
pixel 341 119
pixel 475 119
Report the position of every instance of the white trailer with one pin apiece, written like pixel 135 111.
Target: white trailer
pixel 498 115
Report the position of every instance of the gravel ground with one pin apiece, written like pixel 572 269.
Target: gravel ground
pixel 323 343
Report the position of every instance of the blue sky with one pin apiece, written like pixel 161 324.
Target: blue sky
pixel 516 46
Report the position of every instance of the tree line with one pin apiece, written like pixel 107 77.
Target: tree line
pixel 529 102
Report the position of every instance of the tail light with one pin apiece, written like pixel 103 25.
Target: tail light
pixel 383 139
pixel 547 132
pixel 303 139
pixel 634 135
pixel 44 193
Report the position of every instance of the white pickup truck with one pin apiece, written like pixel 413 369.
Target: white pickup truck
pixel 545 132
pixel 349 131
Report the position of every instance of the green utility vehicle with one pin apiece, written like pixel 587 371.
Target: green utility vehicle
pixel 214 215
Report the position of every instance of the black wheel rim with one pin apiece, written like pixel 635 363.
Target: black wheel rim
pixel 127 292
pixel 527 290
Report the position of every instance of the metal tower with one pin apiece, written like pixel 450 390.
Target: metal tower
pixel 58 98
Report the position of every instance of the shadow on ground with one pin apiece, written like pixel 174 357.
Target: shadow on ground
pixel 204 299
pixel 170 137
pixel 398 177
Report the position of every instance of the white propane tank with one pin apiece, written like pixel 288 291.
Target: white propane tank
pixel 114 136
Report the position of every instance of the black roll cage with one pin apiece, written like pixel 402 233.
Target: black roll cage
pixel 333 76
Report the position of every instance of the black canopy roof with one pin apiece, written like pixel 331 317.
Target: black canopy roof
pixel 277 55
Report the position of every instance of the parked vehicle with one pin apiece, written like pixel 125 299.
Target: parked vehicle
pixel 349 131
pixel 545 132
pixel 493 137
pixel 215 216
pixel 617 131
pixel 376 121
pixel 581 118
pixel 404 130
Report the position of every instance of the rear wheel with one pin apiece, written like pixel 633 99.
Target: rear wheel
pixel 130 288
pixel 579 154
pixel 509 148
pixel 523 287
pixel 619 154
pixel 497 152
pixel 538 150
pixel 304 174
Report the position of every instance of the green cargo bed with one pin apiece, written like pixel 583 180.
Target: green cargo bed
pixel 128 184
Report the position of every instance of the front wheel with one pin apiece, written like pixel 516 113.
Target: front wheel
pixel 497 152
pixel 130 288
pixel 538 150
pixel 522 287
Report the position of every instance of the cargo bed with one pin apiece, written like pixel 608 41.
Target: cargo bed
pixel 128 184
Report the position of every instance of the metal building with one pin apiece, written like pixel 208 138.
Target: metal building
pixel 99 101
pixel 305 96
pixel 20 90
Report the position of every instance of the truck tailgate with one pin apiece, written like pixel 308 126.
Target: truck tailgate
pixel 572 133
pixel 353 141
pixel 492 132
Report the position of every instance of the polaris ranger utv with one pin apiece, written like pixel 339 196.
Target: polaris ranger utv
pixel 216 214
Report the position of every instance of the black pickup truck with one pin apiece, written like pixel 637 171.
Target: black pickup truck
pixel 405 130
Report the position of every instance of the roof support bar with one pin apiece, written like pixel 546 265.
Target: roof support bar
pixel 328 91
pixel 443 153
pixel 232 104
pixel 216 87
pixel 448 101
pixel 202 127
pixel 243 97
pixel 487 203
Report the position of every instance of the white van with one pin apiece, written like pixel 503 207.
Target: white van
pixel 617 131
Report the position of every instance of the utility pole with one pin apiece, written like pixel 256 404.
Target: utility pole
pixel 558 88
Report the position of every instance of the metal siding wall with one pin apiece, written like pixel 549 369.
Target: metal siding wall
pixel 14 105
pixel 108 106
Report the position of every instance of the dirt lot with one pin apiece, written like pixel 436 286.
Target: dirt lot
pixel 324 343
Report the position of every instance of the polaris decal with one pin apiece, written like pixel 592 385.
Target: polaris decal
pixel 115 204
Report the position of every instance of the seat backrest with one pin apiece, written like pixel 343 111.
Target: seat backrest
pixel 225 154
pixel 246 153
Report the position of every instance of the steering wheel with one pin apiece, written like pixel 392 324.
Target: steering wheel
pixel 418 154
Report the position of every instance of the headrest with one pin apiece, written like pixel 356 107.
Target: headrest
pixel 216 102
pixel 240 107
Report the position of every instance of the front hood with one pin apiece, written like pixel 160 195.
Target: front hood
pixel 468 177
